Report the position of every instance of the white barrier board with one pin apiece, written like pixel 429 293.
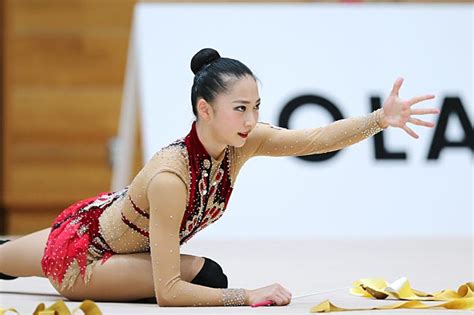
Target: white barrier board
pixel 347 55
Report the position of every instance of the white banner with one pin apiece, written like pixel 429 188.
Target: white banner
pixel 334 61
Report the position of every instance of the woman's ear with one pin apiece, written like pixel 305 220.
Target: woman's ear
pixel 204 109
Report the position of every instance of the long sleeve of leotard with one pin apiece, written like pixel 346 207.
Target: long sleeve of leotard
pixel 269 140
pixel 167 200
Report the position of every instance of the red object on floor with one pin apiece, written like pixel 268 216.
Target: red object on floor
pixel 263 303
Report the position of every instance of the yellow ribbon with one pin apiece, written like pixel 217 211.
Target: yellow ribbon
pixel 88 307
pixel 462 299
pixel 60 308
pixel 5 310
pixel 458 304
pixel 401 290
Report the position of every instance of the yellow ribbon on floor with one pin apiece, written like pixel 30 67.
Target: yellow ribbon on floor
pixel 60 308
pixel 458 304
pixel 5 310
pixel 88 307
pixel 462 299
pixel 401 290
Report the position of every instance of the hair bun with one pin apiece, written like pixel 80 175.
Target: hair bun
pixel 203 57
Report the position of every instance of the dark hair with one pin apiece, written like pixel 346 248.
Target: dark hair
pixel 214 75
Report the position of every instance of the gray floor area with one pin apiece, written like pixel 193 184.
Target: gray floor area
pixel 302 266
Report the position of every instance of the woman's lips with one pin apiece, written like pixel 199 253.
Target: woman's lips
pixel 243 135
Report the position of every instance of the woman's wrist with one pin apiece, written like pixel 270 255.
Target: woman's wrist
pixel 235 297
pixel 382 119
pixel 247 297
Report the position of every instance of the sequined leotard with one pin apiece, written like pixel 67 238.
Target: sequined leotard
pixel 180 191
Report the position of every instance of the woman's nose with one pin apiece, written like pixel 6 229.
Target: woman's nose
pixel 250 121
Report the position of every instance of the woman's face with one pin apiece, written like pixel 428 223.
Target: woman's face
pixel 236 112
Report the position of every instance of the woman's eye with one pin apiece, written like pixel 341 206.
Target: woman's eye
pixel 243 108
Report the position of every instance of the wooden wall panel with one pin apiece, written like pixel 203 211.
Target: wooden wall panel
pixel 44 183
pixel 65 63
pixel 26 221
pixel 3 216
pixel 71 16
pixel 50 112
pixel 62 60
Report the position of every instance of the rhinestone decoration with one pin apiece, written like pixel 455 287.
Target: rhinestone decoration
pixel 234 297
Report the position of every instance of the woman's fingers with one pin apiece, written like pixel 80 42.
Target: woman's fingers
pixel 420 122
pixel 423 111
pixel 277 300
pixel 410 132
pixel 396 86
pixel 282 299
pixel 421 98
pixel 287 294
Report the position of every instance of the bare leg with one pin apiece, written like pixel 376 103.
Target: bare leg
pixel 22 257
pixel 108 279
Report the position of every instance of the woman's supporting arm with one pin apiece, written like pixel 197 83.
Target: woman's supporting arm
pixel 167 200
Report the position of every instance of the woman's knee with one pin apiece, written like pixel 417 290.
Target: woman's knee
pixel 211 275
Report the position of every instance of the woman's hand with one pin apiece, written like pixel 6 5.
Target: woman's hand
pixel 274 292
pixel 398 112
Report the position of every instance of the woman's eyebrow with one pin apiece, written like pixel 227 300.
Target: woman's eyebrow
pixel 245 101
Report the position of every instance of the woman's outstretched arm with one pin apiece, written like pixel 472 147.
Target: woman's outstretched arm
pixel 269 140
pixel 167 199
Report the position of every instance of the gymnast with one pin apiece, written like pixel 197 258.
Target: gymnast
pixel 125 245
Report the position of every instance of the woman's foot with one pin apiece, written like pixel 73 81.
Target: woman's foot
pixel 2 275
